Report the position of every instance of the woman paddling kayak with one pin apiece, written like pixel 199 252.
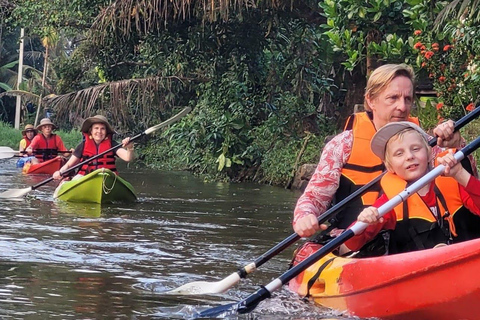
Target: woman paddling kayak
pixel 97 137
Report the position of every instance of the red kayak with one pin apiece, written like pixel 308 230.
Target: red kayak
pixel 46 167
pixel 438 284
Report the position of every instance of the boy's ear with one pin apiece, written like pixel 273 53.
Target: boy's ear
pixel 389 168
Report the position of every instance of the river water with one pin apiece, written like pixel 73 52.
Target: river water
pixel 83 261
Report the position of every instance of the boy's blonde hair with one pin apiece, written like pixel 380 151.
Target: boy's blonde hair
pixel 381 77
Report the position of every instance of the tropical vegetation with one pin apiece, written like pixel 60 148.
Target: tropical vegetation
pixel 267 80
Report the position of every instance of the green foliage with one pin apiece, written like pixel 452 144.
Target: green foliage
pixel 10 136
pixel 367 28
pixel 249 113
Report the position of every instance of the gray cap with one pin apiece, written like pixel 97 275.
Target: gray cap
pixel 381 137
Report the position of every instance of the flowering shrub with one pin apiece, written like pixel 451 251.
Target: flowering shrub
pixel 451 64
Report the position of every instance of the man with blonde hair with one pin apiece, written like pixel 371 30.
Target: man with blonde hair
pixel 347 162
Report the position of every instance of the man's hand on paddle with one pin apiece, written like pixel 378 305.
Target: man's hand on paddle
pixel 447 136
pixel 308 225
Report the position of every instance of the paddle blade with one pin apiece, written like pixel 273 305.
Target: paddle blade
pixel 218 312
pixel 204 287
pixel 15 193
pixel 7 152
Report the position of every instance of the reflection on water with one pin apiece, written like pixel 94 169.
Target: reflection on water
pixel 89 261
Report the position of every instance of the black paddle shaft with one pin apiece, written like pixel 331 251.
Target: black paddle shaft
pixel 340 205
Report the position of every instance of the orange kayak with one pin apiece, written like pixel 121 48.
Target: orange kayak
pixel 439 284
pixel 46 167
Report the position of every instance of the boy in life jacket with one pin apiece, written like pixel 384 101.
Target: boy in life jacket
pixel 445 211
pixel 97 138
pixel 46 145
pixel 28 134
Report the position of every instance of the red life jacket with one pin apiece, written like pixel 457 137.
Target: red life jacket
pixel 361 167
pixel 46 148
pixel 91 149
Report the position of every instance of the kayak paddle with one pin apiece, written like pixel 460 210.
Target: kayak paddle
pixel 248 304
pixel 7 152
pixel 15 193
pixel 205 287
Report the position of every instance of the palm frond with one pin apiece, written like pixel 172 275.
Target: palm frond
pixel 24 94
pixel 128 103
pixel 123 16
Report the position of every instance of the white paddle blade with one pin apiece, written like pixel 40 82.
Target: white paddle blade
pixel 6 152
pixel 15 193
pixel 204 287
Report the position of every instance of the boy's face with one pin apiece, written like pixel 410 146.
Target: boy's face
pixel 408 156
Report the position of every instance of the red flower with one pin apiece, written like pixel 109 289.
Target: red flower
pixel 417 45
pixel 447 47
pixel 435 46
pixel 429 54
pixel 470 107
pixel 417 32
pixel 431 76
pixel 439 105
pixel 442 79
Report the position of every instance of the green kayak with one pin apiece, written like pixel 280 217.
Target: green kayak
pixel 99 186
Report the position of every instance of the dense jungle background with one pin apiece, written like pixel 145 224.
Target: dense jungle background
pixel 267 80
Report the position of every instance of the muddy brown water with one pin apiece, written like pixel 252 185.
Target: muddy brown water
pixel 85 261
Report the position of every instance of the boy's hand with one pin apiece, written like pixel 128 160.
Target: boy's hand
pixel 370 215
pixel 454 169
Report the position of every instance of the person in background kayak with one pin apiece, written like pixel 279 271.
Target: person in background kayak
pixel 97 138
pixel 28 134
pixel 347 163
pixel 46 145
pixel 440 213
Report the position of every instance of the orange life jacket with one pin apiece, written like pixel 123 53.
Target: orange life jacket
pixel 91 149
pixel 417 227
pixel 361 167
pixel 46 148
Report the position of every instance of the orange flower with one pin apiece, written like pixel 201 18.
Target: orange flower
pixel 470 107
pixel 466 74
pixel 429 54
pixel 439 105
pixel 417 32
pixel 424 64
pixel 435 46
pixel 447 47
pixel 417 45
pixel 442 79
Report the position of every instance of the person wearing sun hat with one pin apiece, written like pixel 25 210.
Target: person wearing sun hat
pixel 28 134
pixel 445 211
pixel 46 145
pixel 97 138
